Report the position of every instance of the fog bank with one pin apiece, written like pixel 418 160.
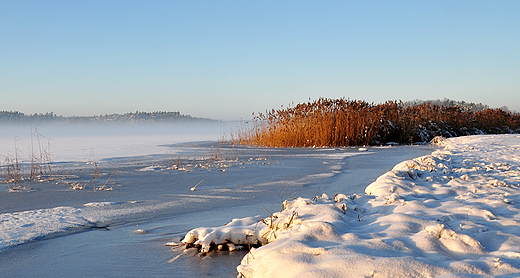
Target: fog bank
pixel 96 141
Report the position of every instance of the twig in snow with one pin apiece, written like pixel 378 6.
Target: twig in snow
pixel 195 187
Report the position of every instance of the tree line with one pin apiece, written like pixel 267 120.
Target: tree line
pixel 132 117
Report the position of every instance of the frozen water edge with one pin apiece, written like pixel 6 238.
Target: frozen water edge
pixel 24 225
pixel 162 194
pixel 449 214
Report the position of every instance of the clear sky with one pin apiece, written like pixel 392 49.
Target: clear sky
pixel 227 59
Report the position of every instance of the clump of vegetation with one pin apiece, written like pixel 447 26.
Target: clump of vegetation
pixel 218 158
pixel 13 170
pixel 344 122
pixel 41 167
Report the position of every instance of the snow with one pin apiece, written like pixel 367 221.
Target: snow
pixel 20 227
pixel 453 213
pixel 151 203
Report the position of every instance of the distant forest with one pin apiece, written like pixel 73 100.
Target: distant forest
pixel 132 117
pixel 344 122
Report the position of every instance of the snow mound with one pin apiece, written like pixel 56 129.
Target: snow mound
pixel 454 213
pixel 100 204
pixel 152 168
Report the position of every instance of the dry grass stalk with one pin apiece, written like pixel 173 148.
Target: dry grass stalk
pixel 104 186
pixel 41 162
pixel 14 171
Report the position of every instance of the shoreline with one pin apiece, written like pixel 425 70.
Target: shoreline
pixel 453 213
pixel 157 199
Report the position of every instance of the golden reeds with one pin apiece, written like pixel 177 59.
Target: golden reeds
pixel 344 122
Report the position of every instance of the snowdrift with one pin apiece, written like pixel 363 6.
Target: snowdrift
pixel 453 213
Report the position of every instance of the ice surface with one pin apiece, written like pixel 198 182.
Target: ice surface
pixel 449 214
pixel 148 192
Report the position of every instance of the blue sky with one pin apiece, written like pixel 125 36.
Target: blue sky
pixel 227 59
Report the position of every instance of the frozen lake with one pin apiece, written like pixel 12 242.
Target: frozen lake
pixel 152 204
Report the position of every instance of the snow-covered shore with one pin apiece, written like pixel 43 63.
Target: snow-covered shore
pixel 454 213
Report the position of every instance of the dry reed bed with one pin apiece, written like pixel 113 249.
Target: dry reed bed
pixel 343 122
pixel 13 168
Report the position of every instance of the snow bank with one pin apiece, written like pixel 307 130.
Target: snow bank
pixel 20 227
pixel 453 213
